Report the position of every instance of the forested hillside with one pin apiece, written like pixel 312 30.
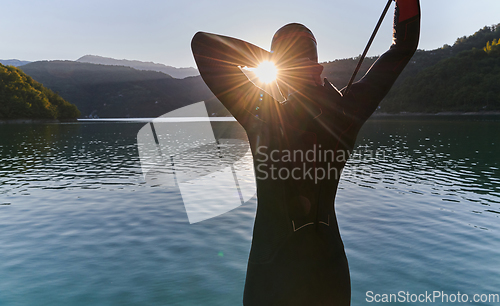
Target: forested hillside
pixel 461 78
pixel 22 97
pixel 467 82
pixel 339 71
pixel 117 91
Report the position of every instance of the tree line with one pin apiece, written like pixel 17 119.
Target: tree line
pixel 461 77
pixel 22 97
pixel 467 82
pixel 117 91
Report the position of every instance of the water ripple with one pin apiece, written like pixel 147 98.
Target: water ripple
pixel 81 227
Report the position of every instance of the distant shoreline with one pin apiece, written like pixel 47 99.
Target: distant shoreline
pixel 375 115
pixel 17 121
pixel 490 113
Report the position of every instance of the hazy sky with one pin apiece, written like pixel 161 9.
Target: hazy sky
pixel 161 31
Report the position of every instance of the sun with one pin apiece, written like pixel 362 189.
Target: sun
pixel 266 72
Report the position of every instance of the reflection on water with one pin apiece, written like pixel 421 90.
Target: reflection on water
pixel 422 214
pixel 60 156
pixel 181 152
pixel 457 161
pixel 418 208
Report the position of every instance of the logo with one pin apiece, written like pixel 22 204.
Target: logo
pixel 180 150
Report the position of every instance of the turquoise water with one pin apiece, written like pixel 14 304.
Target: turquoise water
pixel 80 226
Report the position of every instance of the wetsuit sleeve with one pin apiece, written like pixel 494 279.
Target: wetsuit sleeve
pixel 218 59
pixel 367 93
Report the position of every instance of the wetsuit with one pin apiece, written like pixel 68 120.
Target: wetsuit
pixel 300 148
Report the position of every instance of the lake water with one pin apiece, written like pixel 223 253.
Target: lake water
pixel 418 209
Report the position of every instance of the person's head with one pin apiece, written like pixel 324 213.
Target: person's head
pixel 295 53
pixel 294 40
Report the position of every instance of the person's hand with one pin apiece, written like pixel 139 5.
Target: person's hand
pixel 407 9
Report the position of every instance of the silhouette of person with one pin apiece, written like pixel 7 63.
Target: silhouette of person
pixel 299 147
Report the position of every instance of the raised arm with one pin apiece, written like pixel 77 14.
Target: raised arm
pixel 367 93
pixel 218 58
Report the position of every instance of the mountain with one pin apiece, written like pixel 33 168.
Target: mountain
pixel 339 71
pixel 118 91
pixel 21 97
pixel 13 62
pixel 425 59
pixel 462 77
pixel 467 82
pixel 437 80
pixel 178 73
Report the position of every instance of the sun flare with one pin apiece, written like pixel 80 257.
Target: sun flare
pixel 266 72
